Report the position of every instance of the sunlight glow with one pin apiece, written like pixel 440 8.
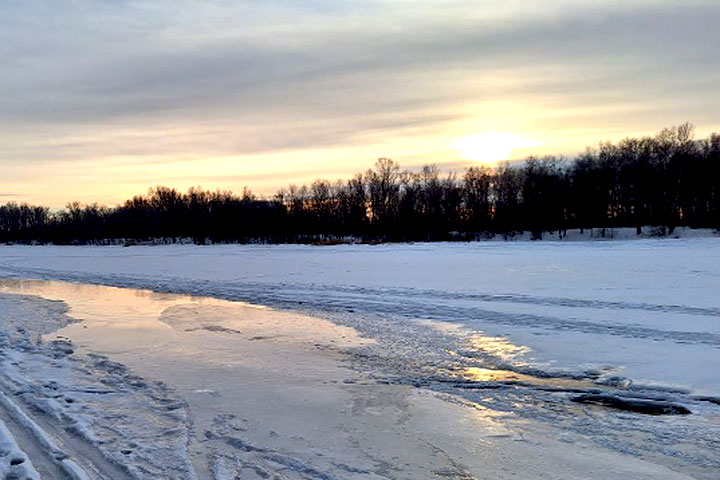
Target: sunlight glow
pixel 491 147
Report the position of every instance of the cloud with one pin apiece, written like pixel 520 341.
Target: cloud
pixel 101 79
pixel 158 71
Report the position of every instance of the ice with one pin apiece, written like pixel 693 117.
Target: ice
pixel 88 403
pixel 645 308
pixel 359 340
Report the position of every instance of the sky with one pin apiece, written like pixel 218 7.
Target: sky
pixel 101 99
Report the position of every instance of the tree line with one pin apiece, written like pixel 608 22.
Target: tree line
pixel 667 180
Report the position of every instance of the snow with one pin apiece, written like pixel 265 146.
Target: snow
pixel 92 406
pixel 366 348
pixel 17 460
pixel 13 461
pixel 592 305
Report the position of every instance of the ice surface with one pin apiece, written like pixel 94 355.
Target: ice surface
pixel 95 414
pixel 647 309
pixel 517 330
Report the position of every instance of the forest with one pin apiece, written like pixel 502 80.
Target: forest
pixel 668 180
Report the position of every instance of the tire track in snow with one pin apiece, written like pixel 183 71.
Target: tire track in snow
pixel 55 452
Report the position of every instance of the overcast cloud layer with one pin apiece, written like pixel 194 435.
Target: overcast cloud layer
pixel 101 99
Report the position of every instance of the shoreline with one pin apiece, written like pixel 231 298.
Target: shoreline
pixel 564 236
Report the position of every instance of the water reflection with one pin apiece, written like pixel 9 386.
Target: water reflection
pixel 123 320
pixel 498 347
pixel 488 359
pixel 477 374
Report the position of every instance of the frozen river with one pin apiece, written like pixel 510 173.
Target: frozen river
pixel 462 360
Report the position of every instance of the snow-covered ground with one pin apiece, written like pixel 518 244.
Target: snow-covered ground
pixel 515 331
pixel 575 304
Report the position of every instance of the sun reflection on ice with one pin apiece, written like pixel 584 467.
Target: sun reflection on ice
pixel 499 347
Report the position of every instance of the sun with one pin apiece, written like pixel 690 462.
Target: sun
pixel 491 147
